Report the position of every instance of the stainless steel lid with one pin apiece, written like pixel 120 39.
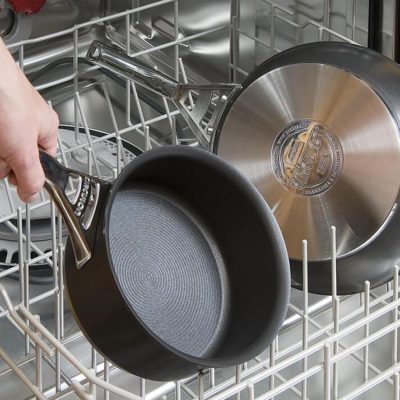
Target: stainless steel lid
pixel 322 148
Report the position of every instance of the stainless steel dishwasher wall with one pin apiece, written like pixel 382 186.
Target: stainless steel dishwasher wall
pixel 209 55
pixel 330 347
pixel 54 16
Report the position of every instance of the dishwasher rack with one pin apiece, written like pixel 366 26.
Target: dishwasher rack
pixel 329 347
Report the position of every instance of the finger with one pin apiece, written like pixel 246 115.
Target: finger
pixel 47 139
pixel 4 169
pixel 29 173
pixel 12 179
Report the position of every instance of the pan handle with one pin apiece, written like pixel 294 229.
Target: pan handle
pixel 202 115
pixel 79 215
pixel 122 65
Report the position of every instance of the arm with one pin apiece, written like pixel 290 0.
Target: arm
pixel 26 123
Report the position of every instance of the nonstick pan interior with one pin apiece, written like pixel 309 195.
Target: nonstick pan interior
pixel 169 267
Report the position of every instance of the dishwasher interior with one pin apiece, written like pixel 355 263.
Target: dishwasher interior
pixel 330 347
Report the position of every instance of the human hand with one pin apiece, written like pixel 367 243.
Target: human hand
pixel 27 122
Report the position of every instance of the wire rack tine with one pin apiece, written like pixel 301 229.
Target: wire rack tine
pixel 305 315
pixel 54 342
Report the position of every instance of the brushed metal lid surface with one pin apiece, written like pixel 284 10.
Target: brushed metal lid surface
pixel 322 148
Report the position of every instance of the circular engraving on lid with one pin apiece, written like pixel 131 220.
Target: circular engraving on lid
pixel 307 158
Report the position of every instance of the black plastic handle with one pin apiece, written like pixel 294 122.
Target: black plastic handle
pixel 80 214
pixel 54 171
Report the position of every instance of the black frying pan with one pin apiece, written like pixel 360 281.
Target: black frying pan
pixel 176 266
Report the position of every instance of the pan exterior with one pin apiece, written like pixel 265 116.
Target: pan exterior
pixel 316 130
pixel 256 263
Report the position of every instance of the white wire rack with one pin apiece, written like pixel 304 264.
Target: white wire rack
pixel 329 347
